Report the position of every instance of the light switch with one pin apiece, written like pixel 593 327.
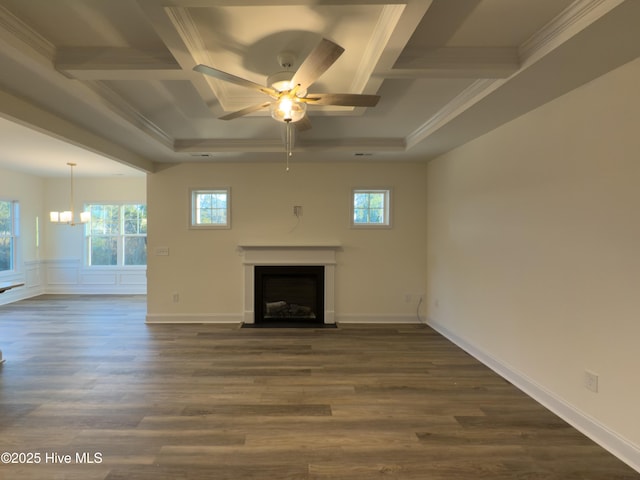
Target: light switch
pixel 162 251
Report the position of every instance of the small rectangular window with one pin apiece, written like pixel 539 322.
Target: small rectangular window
pixel 210 208
pixel 371 208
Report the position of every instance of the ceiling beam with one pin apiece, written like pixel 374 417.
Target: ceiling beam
pixel 455 62
pixel 108 63
pixel 271 145
pixel 19 110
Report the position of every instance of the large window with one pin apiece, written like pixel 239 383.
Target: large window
pixel 117 235
pixel 210 208
pixel 8 234
pixel 370 208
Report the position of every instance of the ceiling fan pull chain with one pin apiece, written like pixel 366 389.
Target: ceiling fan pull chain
pixel 287 142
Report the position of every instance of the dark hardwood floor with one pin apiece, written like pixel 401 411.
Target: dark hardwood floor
pixel 86 377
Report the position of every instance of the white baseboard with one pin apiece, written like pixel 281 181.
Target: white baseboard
pixel 622 448
pixel 194 318
pixel 376 318
pixel 239 318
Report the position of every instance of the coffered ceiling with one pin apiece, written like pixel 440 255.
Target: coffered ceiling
pixel 113 80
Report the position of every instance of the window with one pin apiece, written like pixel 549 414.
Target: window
pixel 210 208
pixel 117 235
pixel 8 234
pixel 370 208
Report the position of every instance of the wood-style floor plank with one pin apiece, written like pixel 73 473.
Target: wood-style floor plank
pixel 84 375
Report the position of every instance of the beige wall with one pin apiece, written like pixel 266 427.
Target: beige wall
pixel 533 248
pixel 375 269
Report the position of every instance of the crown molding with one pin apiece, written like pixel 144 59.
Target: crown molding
pixel 23 37
pixel 579 15
pixel 386 25
pixel 468 97
pixel 575 18
pixel 132 116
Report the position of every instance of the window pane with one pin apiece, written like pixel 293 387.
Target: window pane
pixel 360 215
pixel 5 219
pixel 104 250
pixel 361 200
pixel 135 219
pixel 376 216
pixel 105 219
pixel 6 256
pixel 7 234
pixel 135 250
pixel 376 200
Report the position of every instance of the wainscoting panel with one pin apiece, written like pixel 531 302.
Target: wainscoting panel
pixel 71 276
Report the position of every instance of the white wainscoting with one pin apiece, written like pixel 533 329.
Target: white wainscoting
pixel 70 276
pixel 32 277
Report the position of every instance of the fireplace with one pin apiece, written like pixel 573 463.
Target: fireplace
pixel 321 256
pixel 289 293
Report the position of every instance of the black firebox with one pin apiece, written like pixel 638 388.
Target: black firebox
pixel 289 293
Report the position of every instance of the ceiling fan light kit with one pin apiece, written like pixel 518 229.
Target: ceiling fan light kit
pixel 289 89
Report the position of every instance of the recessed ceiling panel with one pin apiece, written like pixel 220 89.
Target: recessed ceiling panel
pixel 246 41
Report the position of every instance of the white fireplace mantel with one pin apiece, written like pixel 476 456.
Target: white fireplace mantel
pixel 289 254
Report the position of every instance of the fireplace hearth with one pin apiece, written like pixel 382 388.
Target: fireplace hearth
pixel 289 294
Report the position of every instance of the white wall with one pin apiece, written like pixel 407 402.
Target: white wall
pixel 375 268
pixel 533 253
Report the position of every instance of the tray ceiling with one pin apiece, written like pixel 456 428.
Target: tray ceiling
pixel 114 77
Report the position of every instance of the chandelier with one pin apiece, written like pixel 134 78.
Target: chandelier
pixel 68 216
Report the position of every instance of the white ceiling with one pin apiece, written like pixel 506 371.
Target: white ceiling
pixel 109 85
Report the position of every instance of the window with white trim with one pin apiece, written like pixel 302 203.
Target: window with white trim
pixel 210 208
pixel 116 235
pixel 371 208
pixel 9 215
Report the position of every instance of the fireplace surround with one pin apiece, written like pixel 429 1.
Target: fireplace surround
pixel 298 255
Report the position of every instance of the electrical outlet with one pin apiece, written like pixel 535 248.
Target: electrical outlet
pixel 297 210
pixel 407 298
pixel 591 381
pixel 176 297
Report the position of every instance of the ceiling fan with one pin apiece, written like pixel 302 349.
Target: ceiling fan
pixel 289 89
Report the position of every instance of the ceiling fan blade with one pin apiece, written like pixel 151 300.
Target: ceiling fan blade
pixel 342 99
pixel 227 77
pixel 304 124
pixel 318 61
pixel 245 111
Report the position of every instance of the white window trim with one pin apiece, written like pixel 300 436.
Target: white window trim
pixel 212 226
pixel 387 208
pixel 120 250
